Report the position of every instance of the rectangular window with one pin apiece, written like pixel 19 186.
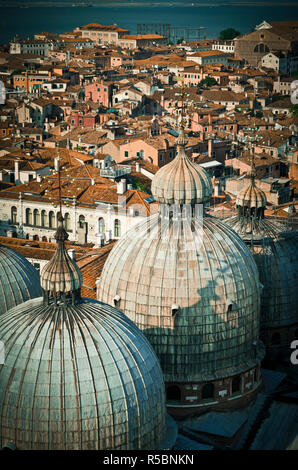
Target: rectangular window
pixel 126 153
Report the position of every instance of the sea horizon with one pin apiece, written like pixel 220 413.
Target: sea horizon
pixel 28 18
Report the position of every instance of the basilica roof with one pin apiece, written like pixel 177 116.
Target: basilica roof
pixel 193 288
pixel 19 280
pixel 78 374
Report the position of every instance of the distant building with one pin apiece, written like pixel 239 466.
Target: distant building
pixel 208 57
pixel 34 46
pixel 224 46
pixel 103 34
pixel 273 36
pixel 282 62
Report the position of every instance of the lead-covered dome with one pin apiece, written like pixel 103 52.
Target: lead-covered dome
pixel 251 197
pixel 192 286
pixel 80 377
pixel 274 246
pixel 181 181
pixel 251 200
pixel 78 374
pixel 19 280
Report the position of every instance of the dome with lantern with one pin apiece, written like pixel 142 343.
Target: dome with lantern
pixel 274 245
pixel 191 285
pixel 19 280
pixel 181 181
pixel 78 374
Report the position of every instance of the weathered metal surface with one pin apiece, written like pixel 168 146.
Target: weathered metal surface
pixel 203 271
pixel 252 197
pixel 19 280
pixel 78 377
pixel 275 250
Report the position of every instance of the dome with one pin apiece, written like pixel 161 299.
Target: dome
pixel 83 377
pixel 194 293
pixel 61 274
pixel 275 250
pixel 78 374
pixel 252 198
pixel 19 280
pixel 181 181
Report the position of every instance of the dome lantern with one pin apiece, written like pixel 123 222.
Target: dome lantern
pixel 181 181
pixel 61 279
pixel 251 201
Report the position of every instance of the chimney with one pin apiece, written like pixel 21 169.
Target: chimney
pixel 138 167
pixel 56 163
pixel 92 181
pixel 16 171
pixel 121 186
pixel 216 188
pixel 72 254
pixel 210 148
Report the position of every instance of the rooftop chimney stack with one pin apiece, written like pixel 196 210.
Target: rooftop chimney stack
pixel 72 254
pixel 16 171
pixel 121 186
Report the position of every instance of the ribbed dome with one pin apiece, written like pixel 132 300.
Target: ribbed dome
pixel 195 295
pixel 19 280
pixel 251 197
pixel 275 250
pixel 61 274
pixel 79 377
pixel 181 181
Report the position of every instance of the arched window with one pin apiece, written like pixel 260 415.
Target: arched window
pixel 117 228
pixel 13 215
pixel 101 225
pixel 44 218
pixel 261 48
pixel 51 219
pixel 236 384
pixel 67 221
pixel 29 216
pixel 36 217
pixel 275 339
pixel 81 221
pixel 57 217
pixel 174 393
pixel 207 391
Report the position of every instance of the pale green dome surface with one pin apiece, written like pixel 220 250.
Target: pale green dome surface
pixel 19 280
pixel 79 377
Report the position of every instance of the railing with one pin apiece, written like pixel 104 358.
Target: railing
pixel 115 172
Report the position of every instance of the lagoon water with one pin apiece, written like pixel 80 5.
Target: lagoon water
pixel 214 15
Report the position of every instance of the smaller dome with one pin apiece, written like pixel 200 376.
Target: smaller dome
pixel 61 274
pixel 181 181
pixel 251 197
pixel 19 280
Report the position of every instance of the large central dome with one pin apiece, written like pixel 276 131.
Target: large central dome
pixel 196 296
pixel 191 284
